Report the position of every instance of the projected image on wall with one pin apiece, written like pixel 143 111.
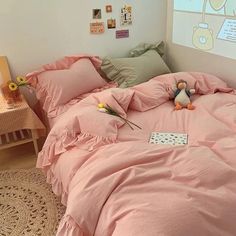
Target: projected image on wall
pixel 207 25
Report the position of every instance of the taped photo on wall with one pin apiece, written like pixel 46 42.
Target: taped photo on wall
pixel 97 14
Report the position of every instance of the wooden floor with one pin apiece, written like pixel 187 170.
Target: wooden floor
pixel 20 157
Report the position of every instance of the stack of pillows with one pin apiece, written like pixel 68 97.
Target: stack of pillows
pixel 64 82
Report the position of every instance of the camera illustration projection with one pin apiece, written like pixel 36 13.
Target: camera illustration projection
pixel 208 25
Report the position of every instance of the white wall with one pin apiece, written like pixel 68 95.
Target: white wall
pixel 35 32
pixel 181 58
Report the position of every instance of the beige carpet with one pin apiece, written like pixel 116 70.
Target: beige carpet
pixel 27 205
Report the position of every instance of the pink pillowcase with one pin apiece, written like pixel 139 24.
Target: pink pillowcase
pixel 58 83
pixel 63 108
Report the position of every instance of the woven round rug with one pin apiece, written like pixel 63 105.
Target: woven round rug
pixel 27 204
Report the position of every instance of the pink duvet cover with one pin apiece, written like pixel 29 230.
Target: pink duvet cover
pixel 114 182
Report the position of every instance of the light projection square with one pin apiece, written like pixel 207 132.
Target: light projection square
pixel 206 25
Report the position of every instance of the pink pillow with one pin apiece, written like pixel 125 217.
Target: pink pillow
pixel 63 108
pixel 57 87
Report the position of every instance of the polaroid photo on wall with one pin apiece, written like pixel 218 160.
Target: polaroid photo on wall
pixel 111 23
pixel 97 14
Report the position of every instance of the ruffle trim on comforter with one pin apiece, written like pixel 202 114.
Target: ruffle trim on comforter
pixel 50 153
pixel 68 140
pixel 68 227
pixel 57 186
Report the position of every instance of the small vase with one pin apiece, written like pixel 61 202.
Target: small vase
pixel 11 96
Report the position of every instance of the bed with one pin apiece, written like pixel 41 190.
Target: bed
pixel 114 182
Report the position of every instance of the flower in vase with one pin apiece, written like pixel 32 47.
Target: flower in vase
pixel 11 90
pixel 21 80
pixel 13 86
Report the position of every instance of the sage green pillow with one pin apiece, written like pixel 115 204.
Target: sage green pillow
pixel 131 71
pixel 143 47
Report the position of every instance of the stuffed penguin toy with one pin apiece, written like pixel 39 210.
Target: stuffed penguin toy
pixel 182 96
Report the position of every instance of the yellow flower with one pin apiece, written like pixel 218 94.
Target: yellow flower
pixel 101 105
pixel 109 110
pixel 21 80
pixel 13 86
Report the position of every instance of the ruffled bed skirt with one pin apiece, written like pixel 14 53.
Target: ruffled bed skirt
pixel 57 186
pixel 68 227
pixel 50 154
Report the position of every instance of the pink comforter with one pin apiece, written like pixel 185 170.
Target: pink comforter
pixel 114 182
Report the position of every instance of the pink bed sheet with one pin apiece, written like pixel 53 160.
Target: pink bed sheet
pixel 126 186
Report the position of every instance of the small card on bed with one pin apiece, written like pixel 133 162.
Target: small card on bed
pixel 168 138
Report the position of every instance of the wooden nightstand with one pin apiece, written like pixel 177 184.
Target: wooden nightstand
pixel 19 125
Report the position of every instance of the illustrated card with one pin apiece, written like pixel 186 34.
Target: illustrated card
pixel 168 138
pixel 126 15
